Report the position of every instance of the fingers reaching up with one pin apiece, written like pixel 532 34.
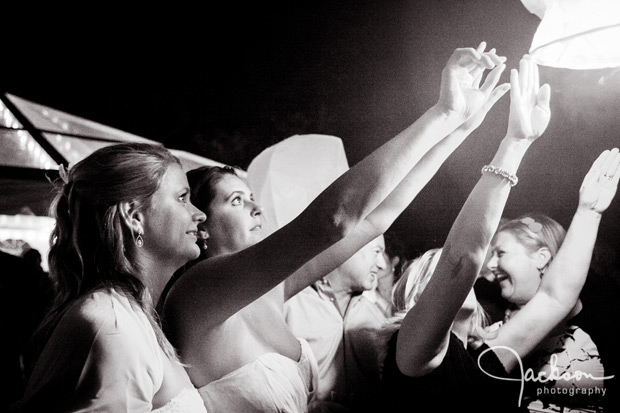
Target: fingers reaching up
pixel 460 91
pixel 601 182
pixel 529 103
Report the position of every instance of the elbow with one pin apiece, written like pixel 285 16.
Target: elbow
pixel 336 224
pixel 563 284
pixel 562 300
pixel 464 260
pixel 474 260
pixel 412 365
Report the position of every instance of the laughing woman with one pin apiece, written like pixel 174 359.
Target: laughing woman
pixel 439 353
pixel 581 345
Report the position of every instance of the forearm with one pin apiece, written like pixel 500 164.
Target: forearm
pixel 480 215
pixel 424 331
pixel 329 259
pixel 510 153
pixel 335 214
pixel 379 220
pixel 367 184
pixel 426 325
pixel 567 273
pixel 403 195
pixel 460 97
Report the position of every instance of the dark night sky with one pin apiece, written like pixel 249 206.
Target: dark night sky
pixel 358 70
pixel 227 83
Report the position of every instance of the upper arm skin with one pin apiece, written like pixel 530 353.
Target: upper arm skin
pixel 214 289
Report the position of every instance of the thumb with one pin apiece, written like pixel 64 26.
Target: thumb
pixel 544 96
pixel 497 93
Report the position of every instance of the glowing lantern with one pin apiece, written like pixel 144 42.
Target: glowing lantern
pixel 287 176
pixel 576 34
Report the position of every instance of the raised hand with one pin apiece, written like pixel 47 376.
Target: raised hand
pixel 492 98
pixel 529 104
pixel 460 91
pixel 600 183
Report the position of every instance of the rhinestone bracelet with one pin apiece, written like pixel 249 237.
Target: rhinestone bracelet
pixel 490 169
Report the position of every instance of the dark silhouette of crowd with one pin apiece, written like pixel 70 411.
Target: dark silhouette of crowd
pixel 25 296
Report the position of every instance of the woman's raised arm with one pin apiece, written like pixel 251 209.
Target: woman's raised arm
pixel 562 283
pixel 222 285
pixel 379 220
pixel 424 333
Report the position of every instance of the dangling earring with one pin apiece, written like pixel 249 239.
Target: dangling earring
pixel 541 271
pixel 139 240
pixel 202 239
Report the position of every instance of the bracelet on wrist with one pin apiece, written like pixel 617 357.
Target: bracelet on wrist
pixel 490 169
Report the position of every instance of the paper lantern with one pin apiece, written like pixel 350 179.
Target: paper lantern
pixel 287 176
pixel 576 34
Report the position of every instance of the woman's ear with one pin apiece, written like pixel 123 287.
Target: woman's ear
pixel 132 218
pixel 395 261
pixel 543 258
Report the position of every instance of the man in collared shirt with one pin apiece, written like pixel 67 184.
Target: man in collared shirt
pixel 339 323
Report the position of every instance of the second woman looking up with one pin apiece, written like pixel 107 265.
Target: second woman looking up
pixel 225 313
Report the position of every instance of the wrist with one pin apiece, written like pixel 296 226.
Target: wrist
pixel 500 172
pixel 509 154
pixel 586 212
pixel 516 144
pixel 447 115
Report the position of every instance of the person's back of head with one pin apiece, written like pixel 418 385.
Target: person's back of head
pixel 395 249
pixel 411 285
pixel 415 276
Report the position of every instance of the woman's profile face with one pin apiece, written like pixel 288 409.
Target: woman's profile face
pixel 235 221
pixel 171 222
pixel 514 268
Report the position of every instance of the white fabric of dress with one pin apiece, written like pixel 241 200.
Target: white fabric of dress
pixel 104 356
pixel 271 383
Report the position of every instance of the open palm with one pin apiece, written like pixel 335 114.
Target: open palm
pixel 601 182
pixel 529 104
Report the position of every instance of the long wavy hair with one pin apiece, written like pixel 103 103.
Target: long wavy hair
pixel 91 246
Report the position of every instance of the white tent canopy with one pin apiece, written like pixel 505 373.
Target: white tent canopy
pixel 34 141
pixel 72 137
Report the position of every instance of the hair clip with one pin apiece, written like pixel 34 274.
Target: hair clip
pixel 532 225
pixel 64 174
